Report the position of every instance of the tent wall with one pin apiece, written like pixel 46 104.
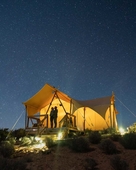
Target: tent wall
pixel 61 111
pixel 93 120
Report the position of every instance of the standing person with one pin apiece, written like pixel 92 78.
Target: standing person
pixel 55 116
pixel 71 121
pixel 52 116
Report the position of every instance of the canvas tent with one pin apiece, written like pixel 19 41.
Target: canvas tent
pixel 96 114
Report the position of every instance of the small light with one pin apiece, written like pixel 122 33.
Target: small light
pixel 37 138
pixel 59 135
pixel 121 130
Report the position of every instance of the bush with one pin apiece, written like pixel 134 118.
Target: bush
pixel 132 128
pixel 49 142
pixel 3 134
pixel 19 133
pixel 115 137
pixel 108 146
pixel 80 144
pixel 129 141
pixel 7 149
pixel 95 137
pixel 25 141
pixel 87 132
pixel 118 164
pixel 63 142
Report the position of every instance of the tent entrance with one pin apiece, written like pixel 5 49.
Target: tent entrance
pixel 39 123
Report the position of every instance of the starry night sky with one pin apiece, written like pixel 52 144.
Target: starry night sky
pixel 86 48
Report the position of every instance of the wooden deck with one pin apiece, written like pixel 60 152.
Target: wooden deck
pixel 37 127
pixel 35 131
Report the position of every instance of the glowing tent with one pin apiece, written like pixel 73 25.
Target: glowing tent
pixel 96 114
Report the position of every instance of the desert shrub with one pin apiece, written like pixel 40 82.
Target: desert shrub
pixel 129 141
pixel 87 131
pixel 80 144
pixel 118 164
pixel 90 164
pixel 49 142
pixel 132 128
pixel 108 146
pixel 25 141
pixel 12 164
pixel 19 133
pixel 3 134
pixel 7 149
pixel 95 137
pixel 63 142
pixel 115 137
pixel 73 134
pixel 108 131
pixel 11 140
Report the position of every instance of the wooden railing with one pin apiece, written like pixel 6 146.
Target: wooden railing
pixel 68 120
pixel 39 123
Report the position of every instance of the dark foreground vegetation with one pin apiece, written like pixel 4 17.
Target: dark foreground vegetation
pixel 81 143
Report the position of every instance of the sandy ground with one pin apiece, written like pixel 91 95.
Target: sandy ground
pixel 62 158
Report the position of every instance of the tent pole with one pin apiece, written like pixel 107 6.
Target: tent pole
pixel 50 104
pixel 114 116
pixel 110 117
pixel 70 105
pixel 114 112
pixel 60 101
pixel 46 115
pixel 26 117
pixel 84 119
pixel 111 110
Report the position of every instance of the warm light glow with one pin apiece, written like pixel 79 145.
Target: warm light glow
pixel 60 135
pixel 37 138
pixel 121 130
pixel 39 146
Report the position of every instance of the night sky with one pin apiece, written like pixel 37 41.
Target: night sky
pixel 86 48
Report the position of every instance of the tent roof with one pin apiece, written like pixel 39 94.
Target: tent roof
pixel 43 98
pixel 95 102
pixel 100 105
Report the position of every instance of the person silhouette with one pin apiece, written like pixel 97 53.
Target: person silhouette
pixel 55 116
pixel 51 116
